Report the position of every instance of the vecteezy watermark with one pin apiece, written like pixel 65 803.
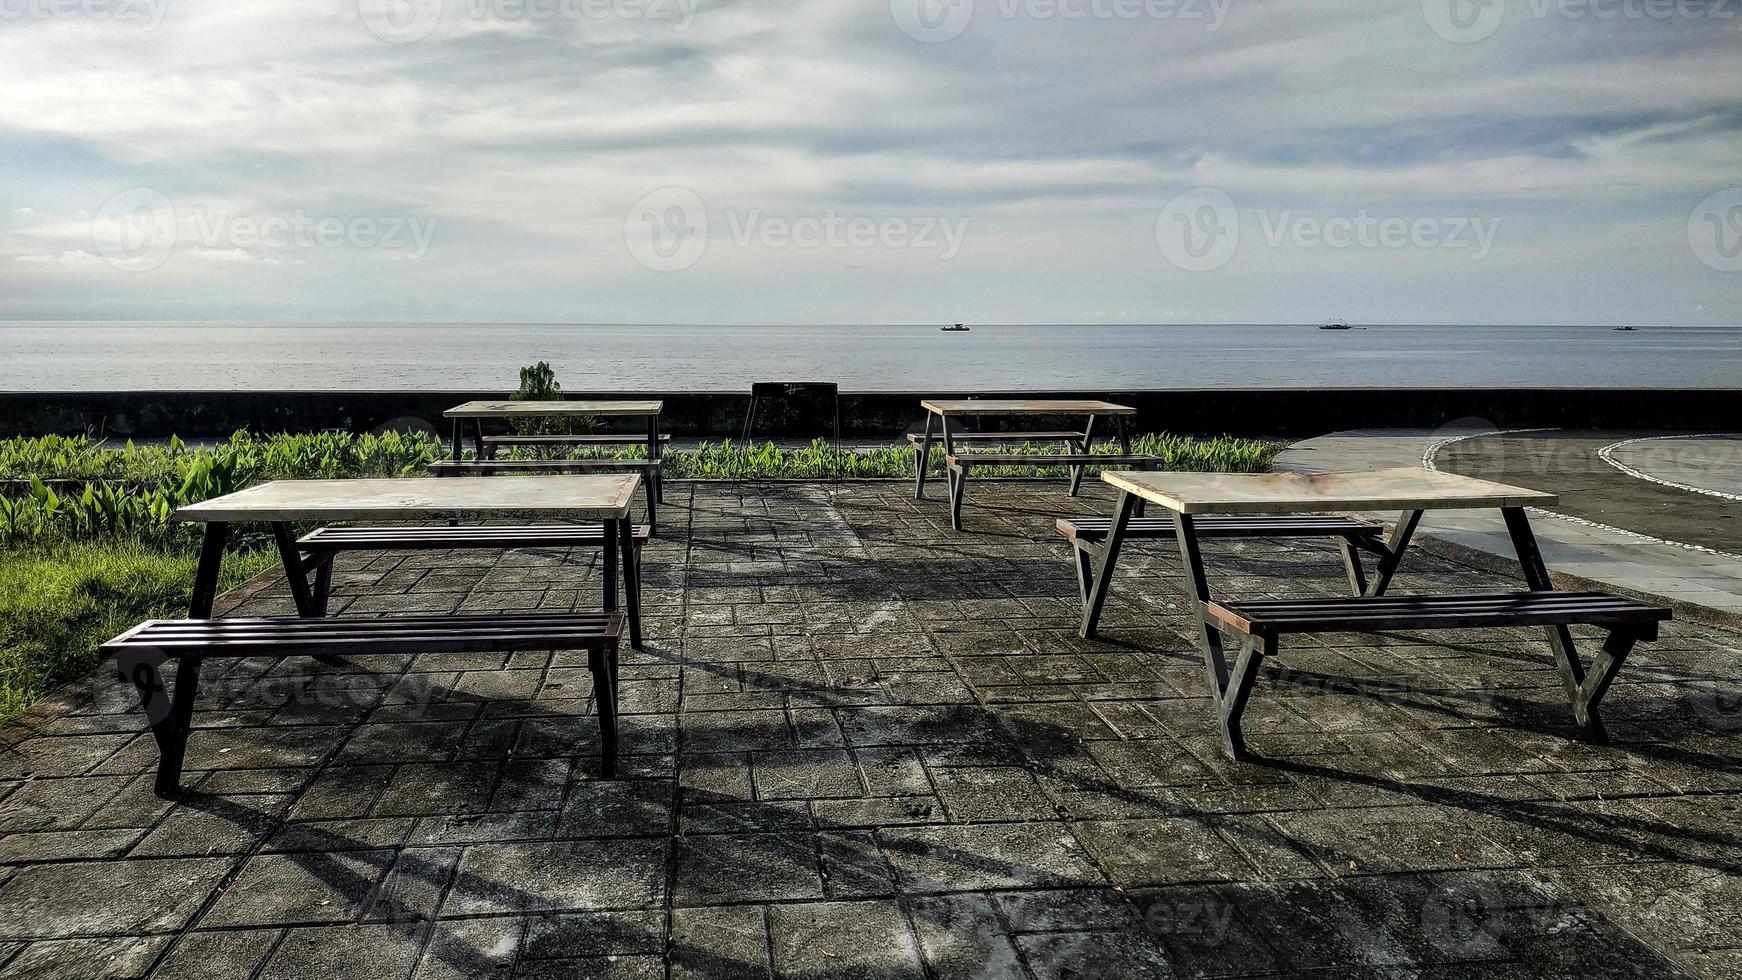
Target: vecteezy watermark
pixel 137 230
pixel 933 21
pixel 149 13
pixel 1200 231
pixel 1469 21
pixel 667 230
pixel 1715 230
pixel 404 21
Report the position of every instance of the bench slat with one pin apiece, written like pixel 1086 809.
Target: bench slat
pixel 534 465
pixel 420 634
pixel 1434 612
pixel 938 440
pixel 1281 526
pixel 441 538
pixel 625 439
pixel 1047 459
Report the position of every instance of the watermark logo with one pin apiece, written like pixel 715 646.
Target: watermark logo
pixel 135 231
pixel 932 21
pixel 832 229
pixel 1464 21
pixel 138 230
pixel 667 230
pixel 1199 230
pixel 404 21
pixel 400 21
pixel 149 13
pixel 1715 230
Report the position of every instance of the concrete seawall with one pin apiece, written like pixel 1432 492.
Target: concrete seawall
pixel 1278 413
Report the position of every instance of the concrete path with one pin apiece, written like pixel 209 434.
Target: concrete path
pixel 1640 513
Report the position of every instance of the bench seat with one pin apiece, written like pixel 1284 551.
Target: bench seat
pixel 1357 615
pixel 395 538
pixel 960 463
pixel 1220 526
pixel 593 439
pixel 917 437
pixel 1263 622
pixel 140 653
pixel 964 460
pixel 461 466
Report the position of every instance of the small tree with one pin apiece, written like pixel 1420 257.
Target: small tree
pixel 538 383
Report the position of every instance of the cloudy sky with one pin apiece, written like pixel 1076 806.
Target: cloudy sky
pixel 1418 161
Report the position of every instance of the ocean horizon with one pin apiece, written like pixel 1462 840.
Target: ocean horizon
pixel 44 356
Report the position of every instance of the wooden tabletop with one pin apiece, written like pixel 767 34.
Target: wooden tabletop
pixel 577 497
pixel 511 409
pixel 1402 488
pixel 1022 406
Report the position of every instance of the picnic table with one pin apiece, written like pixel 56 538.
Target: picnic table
pixel 947 415
pixel 1408 490
pixel 485 444
pixel 281 502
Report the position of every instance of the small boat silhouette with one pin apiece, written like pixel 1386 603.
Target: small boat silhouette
pixel 1336 325
pixel 958 328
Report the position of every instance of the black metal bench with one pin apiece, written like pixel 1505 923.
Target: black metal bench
pixel 1263 622
pixel 648 468
pixel 627 439
pixel 1087 534
pixel 324 544
pixel 922 443
pixel 960 463
pixel 140 653
pixel 487 446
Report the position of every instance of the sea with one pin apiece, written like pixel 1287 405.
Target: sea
pixel 144 356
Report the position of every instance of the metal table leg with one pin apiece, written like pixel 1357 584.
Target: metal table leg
pixel 631 578
pixel 1583 690
pixel 922 460
pixel 1230 689
pixel 1106 558
pixel 206 573
pixel 295 570
pixel 1392 556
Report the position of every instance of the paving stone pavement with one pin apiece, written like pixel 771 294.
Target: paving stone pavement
pixel 861 745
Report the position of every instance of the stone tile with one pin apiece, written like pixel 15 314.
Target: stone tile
pixel 97 898
pixel 463 949
pixel 117 958
pixel 843 939
pixel 719 943
pixel 231 954
pixel 305 887
pixel 360 951
pixel 957 858
pixel 720 868
pixel 556 875
pixel 961 936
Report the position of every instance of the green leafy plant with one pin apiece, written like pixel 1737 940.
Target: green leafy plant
pixel 538 383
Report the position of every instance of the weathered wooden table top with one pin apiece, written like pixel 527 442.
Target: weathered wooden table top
pixel 513 409
pixel 1400 488
pixel 1022 406
pixel 584 497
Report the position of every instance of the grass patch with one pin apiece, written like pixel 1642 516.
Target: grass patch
pixel 59 602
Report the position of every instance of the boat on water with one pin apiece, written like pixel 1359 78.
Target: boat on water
pixel 1336 325
pixel 1626 329
pixel 958 328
